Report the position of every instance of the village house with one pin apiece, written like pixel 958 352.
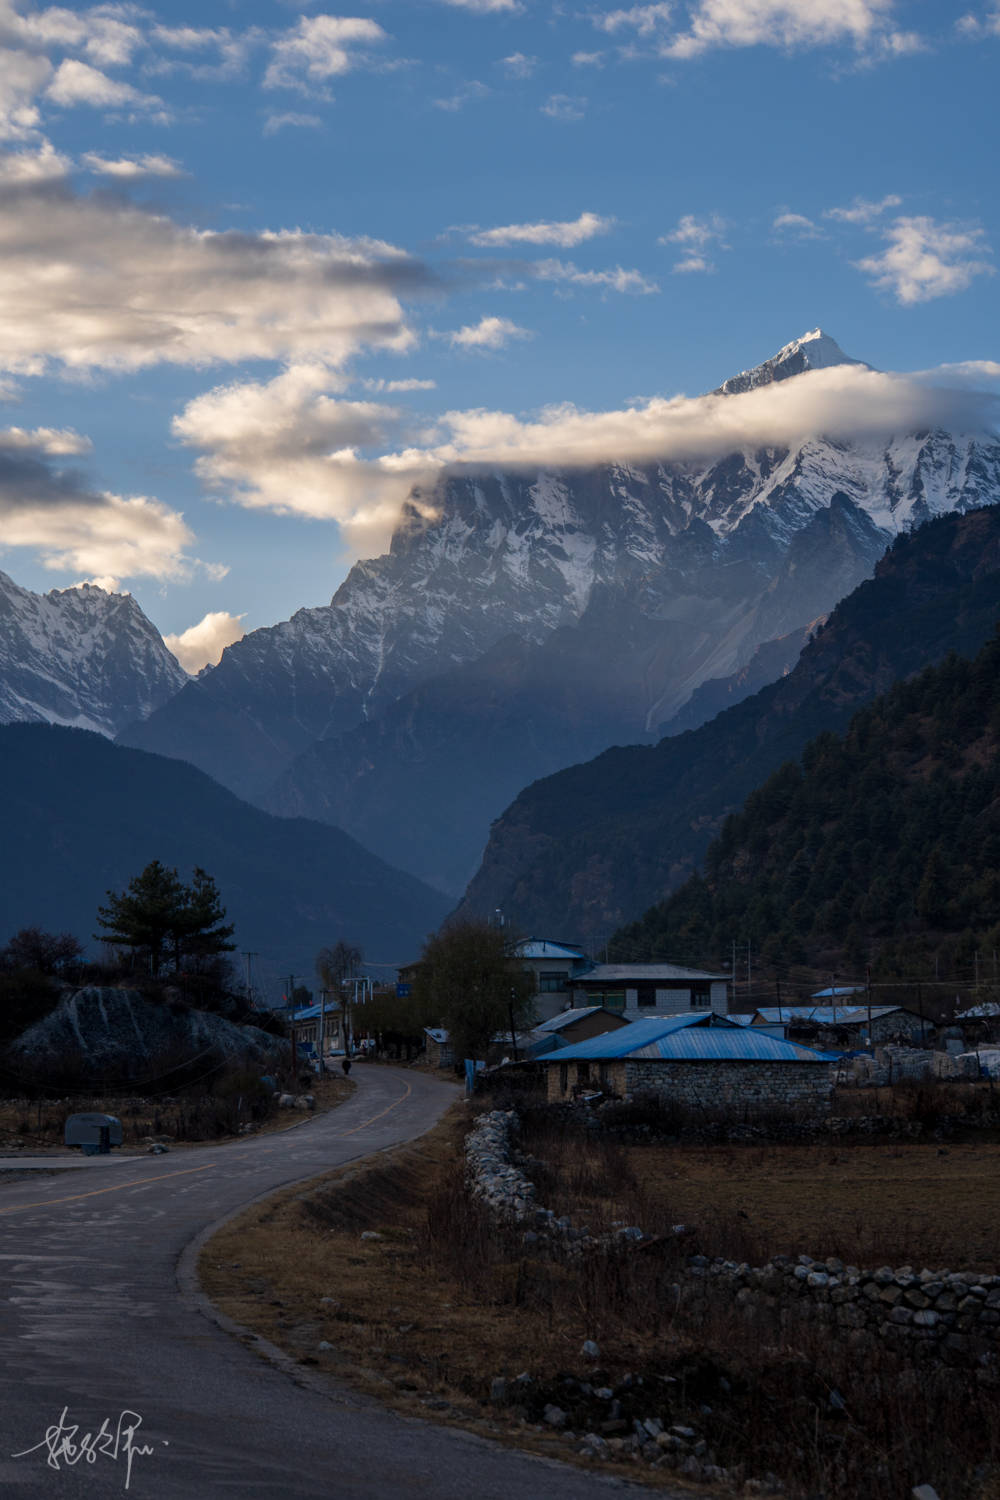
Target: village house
pixel 850 1027
pixel 554 966
pixel 638 990
pixel 700 1061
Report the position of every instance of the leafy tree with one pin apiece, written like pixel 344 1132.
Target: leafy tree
pixel 478 990
pixel 44 952
pixel 157 915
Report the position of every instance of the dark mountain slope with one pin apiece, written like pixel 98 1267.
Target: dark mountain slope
pixel 883 846
pixel 83 816
pixel 588 848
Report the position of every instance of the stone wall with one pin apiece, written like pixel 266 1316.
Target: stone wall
pixel 947 1316
pixel 950 1317
pixel 800 1086
pixel 707 1085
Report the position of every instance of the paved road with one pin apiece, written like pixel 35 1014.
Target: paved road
pixel 100 1315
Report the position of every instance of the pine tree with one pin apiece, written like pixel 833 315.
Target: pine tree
pixel 161 917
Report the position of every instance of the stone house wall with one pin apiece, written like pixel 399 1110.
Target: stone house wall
pixel 701 1084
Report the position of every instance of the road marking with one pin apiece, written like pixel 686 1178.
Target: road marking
pixel 402 1098
pixel 96 1193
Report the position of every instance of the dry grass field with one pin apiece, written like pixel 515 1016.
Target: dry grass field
pixel 436 1303
pixel 37 1125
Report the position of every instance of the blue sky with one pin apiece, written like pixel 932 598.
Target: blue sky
pixel 263 267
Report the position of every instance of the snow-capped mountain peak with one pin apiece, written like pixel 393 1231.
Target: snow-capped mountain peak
pixel 80 657
pixel 815 350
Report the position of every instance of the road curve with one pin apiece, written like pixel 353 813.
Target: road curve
pixel 100 1316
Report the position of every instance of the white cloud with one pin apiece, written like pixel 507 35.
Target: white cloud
pixel 863 210
pixel 77 83
pixel 72 527
pixel 864 24
pixel 518 65
pixel 488 7
pixel 52 442
pixel 614 280
pixel 392 386
pixel 88 282
pixel 587 59
pixel 289 446
pixel 973 26
pixel 130 167
pixel 926 259
pixel 797 225
pixel 469 93
pixel 202 645
pixel 695 235
pixel 22 79
pixel 692 263
pixel 564 233
pixel 488 333
pixel 104 32
pixel 319 48
pixel 293 119
pixel 645 20
pixel 564 107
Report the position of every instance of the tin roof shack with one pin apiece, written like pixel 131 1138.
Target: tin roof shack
pixel 639 990
pixel 699 1062
pixel 843 1026
pixel 572 1026
pixel 439 1053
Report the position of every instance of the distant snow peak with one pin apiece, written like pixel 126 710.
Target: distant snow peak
pixel 80 656
pixel 815 350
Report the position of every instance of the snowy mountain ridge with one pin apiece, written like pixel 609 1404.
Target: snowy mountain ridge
pixel 80 657
pixel 709 556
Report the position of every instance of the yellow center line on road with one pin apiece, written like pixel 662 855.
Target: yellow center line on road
pixel 96 1192
pixel 402 1098
pixel 119 1187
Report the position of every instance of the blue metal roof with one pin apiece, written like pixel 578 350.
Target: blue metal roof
pixel 628 1039
pixel 739 1045
pixel 705 1036
pixel 835 990
pixel 821 1015
pixel 311 1012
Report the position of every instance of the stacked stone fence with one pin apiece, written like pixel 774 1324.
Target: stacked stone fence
pixel 949 1317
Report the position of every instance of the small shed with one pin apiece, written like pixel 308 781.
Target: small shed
pixel 576 1025
pixel 439 1051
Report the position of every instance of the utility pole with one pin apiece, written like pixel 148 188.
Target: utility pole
pixel 513 1033
pixel 249 960
pixel 322 1031
pixel 749 1001
pixel 868 993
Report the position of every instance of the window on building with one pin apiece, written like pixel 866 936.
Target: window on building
pixel 701 999
pixel 548 983
pixel 611 999
pixel 563 1077
pixel 647 999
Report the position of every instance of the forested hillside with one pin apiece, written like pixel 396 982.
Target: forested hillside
pixel 881 846
pixel 581 852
